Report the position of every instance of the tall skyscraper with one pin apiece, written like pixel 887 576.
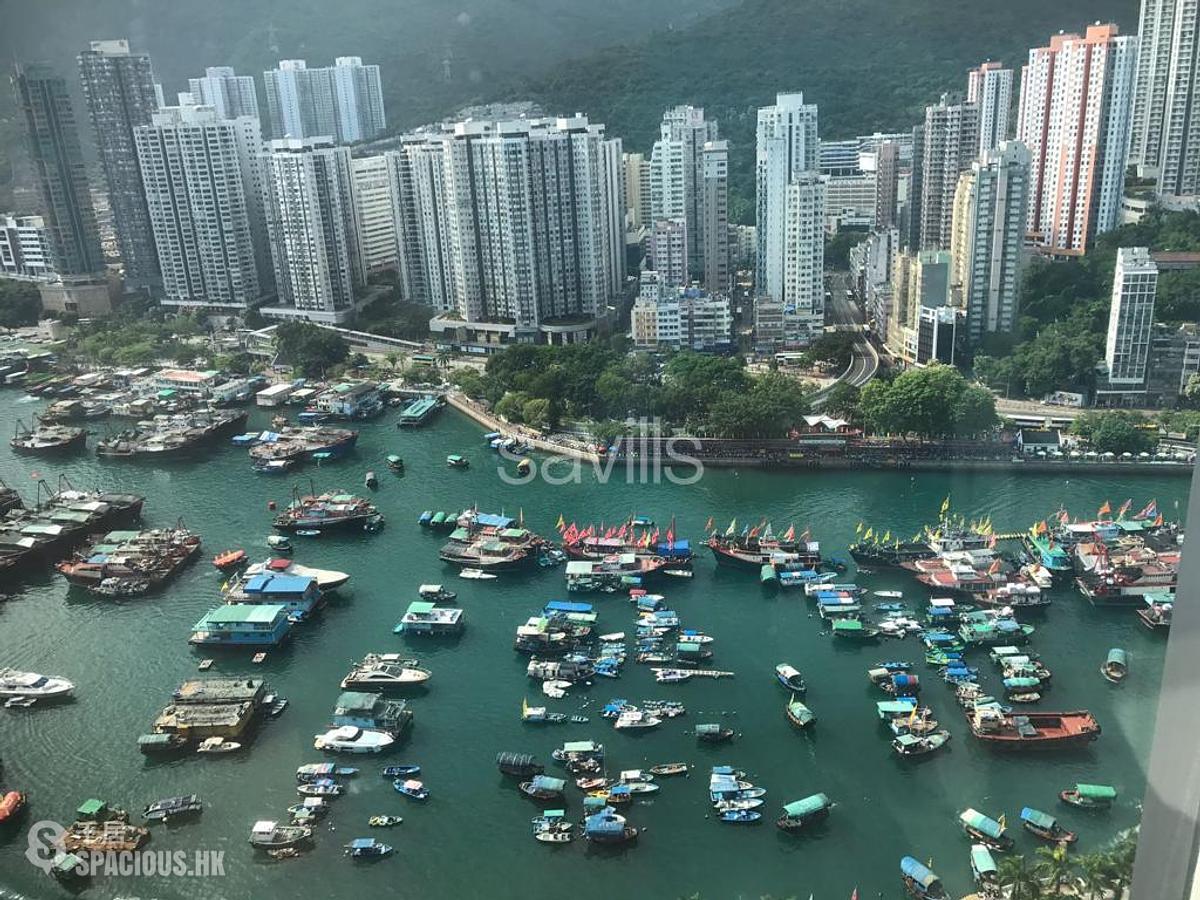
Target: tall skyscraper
pixel 951 141
pixel 203 192
pixel 1135 283
pixel 887 172
pixel 988 235
pixel 311 226
pixel 612 187
pixel 118 87
pixel 343 101
pixel 54 149
pixel 669 251
pixel 804 254
pixel 230 94
pixel 689 180
pixel 374 212
pixel 508 226
pixel 1165 135
pixel 1074 117
pixel 787 148
pixel 989 86
pixel 637 190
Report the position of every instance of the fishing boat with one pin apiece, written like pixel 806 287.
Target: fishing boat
pixel 636 720
pixel 854 630
pixel 1089 796
pixel 790 677
pixel 1034 730
pixel 413 790
pixel 314 771
pixel 351 739
pixel 230 559
pixel 919 745
pixel 401 771
pixel 543 787
pixel 983 870
pixel 173 808
pixel 666 769
pixel 920 881
pixel 266 835
pixel 318 512
pixel 738 805
pixel 799 714
pixel 366 848
pixel 395 463
pixel 607 827
pixel 754 548
pixel 454 461
pixel 1045 826
pixel 521 765
pixel 325 788
pixel 801 813
pixel 384 821
pixel 1116 667
pixel 435 593
pixel 218 745
pixel 1158 611
pixel 985 830
pixel 47 440
pixel 308 810
pixel 713 733
pixel 161 744
pixel 476 575
pixel 740 816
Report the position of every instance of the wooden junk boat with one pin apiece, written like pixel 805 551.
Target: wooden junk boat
pixel 1033 730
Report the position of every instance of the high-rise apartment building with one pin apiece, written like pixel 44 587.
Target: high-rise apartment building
pixel 505 227
pixel 790 239
pixel 689 180
pixel 118 88
pixel 203 184
pixel 25 248
pixel 1074 117
pixel 989 87
pixel 230 94
pixel 951 141
pixel 1131 315
pixel 309 195
pixel 669 251
pixel 637 191
pixel 68 217
pixel 374 213
pixel 887 174
pixel 1165 138
pixel 988 238
pixel 343 101
pixel 920 281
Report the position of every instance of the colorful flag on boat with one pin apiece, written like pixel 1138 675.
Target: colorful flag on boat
pixel 790 534
pixel 709 524
pixel 1063 517
pixel 946 505
pixel 1158 520
pixel 1105 510
pixel 561 524
pixel 732 529
pixel 858 528
pixel 1150 511
pixel 1124 508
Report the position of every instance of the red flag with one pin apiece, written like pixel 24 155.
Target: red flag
pixel 621 532
pixel 571 535
pixel 708 526
pixel 671 537
pixel 1158 520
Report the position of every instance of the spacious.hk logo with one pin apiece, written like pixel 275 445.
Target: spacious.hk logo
pixel 644 457
pixel 45 851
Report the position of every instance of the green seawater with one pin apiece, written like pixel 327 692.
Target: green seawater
pixel 472 838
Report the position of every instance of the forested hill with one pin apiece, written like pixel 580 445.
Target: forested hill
pixel 869 64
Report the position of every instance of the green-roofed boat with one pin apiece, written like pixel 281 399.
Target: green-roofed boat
pixel 983 868
pixel 854 630
pixel 799 714
pixel 1089 796
pixel 1116 667
pixel 985 830
pixel 800 813
pixel 454 461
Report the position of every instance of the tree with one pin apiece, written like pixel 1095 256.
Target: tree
pixel 468 381
pixel 1054 867
pixel 1093 874
pixel 20 303
pixel 1115 431
pixel 842 400
pixel 836 347
pixel 512 406
pixel 974 411
pixel 1191 390
pixel 1015 873
pixel 933 402
pixel 311 349
pixel 536 412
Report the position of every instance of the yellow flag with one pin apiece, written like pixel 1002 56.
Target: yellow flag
pixel 867 536
pixel 945 504
pixel 1002 825
pixel 858 528
pixel 887 536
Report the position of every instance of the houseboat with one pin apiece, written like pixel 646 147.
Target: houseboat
pixel 243 624
pixel 365 709
pixel 298 594
pixel 425 618
pixel 420 411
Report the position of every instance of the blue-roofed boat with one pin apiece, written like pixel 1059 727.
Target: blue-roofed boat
pixel 1046 827
pixel 543 787
pixel 920 881
pixel 607 827
pixel 367 848
pixel 983 868
pixel 790 677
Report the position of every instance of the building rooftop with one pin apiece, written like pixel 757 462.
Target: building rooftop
pixel 219 690
pixel 242 614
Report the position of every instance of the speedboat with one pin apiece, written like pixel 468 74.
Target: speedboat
pixel 476 575
pixel 272 836
pixel 401 771
pixel 173 808
pixel 30 684
pixel 218 745
pixel 350 739
pixel 741 816
pixel 327 579
pixel 324 787
pixel 366 848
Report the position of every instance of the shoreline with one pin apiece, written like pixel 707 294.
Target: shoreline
pixel 831 463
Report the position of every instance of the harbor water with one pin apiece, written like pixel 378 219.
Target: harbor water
pixel 472 837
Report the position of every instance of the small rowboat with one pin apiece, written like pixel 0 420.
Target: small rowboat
pixel 741 816
pixel 553 837
pixel 401 771
pixel 1089 796
pixel 308 532
pixel 370 481
pixel 677 768
pixel 395 463
pixel 894 595
pixel 218 745
pixel 258 658
pixel 476 575
pixel 414 790
pixel 229 559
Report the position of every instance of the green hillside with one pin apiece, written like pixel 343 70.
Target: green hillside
pixel 870 65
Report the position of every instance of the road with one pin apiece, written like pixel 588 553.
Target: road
pixel 865 361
